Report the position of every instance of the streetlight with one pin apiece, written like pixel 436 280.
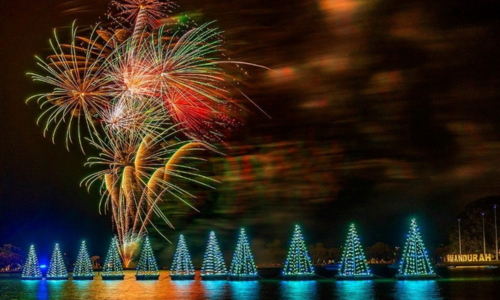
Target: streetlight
pixel 484 236
pixel 459 238
pixel 496 234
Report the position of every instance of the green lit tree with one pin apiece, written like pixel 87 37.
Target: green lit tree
pixel 243 263
pixel 31 269
pixel 147 268
pixel 298 261
pixel 113 268
pixel 353 259
pixel 414 261
pixel 83 266
pixel 182 267
pixel 57 269
pixel 213 262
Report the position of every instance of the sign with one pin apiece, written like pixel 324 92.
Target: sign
pixel 468 257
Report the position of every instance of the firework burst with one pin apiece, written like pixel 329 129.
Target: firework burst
pixel 76 75
pixel 135 92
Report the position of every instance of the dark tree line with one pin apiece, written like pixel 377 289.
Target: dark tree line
pixel 471 227
pixel 275 253
pixel 11 258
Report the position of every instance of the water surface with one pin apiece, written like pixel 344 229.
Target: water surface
pixel 441 289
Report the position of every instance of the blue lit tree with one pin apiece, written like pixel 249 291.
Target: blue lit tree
pixel 147 268
pixel 213 266
pixel 182 267
pixel 243 266
pixel 83 266
pixel 298 263
pixel 353 259
pixel 31 269
pixel 57 268
pixel 414 261
pixel 113 267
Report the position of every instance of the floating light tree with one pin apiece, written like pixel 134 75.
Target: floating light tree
pixel 414 263
pixel 182 267
pixel 298 263
pixel 147 269
pixel 353 264
pixel 31 269
pixel 214 267
pixel 83 266
pixel 57 267
pixel 243 266
pixel 113 268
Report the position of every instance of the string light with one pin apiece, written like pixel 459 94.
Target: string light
pixel 31 269
pixel 147 268
pixel 83 266
pixel 213 266
pixel 414 261
pixel 113 268
pixel 353 259
pixel 57 268
pixel 243 266
pixel 298 262
pixel 182 267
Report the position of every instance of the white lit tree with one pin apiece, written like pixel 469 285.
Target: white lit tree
pixel 57 268
pixel 83 265
pixel 298 261
pixel 353 258
pixel 147 266
pixel 182 265
pixel 414 261
pixel 113 267
pixel 243 263
pixel 31 269
pixel 213 262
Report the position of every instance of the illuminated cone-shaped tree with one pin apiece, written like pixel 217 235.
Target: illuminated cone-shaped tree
pixel 113 268
pixel 414 261
pixel 298 262
pixel 57 268
pixel 353 260
pixel 83 266
pixel 147 267
pixel 31 269
pixel 242 264
pixel 213 262
pixel 182 267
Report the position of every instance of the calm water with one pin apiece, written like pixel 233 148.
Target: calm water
pixel 481 288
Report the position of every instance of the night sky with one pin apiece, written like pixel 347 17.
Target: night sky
pixel 380 111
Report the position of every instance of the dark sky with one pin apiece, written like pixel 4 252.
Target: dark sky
pixel 381 111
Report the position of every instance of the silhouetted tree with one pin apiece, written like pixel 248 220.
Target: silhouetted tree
pixel 11 257
pixel 471 226
pixel 275 252
pixel 381 251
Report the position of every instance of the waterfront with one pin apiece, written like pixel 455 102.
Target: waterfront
pixel 473 287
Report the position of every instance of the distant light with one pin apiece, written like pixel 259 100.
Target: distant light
pixel 43 266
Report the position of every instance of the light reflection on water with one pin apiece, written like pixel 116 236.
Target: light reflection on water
pixel 166 289
pixel 214 289
pixel 248 290
pixel 186 289
pixel 299 290
pixel 419 289
pixel 355 290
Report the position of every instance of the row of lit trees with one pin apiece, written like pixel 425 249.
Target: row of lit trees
pixel 297 265
pixel 182 268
